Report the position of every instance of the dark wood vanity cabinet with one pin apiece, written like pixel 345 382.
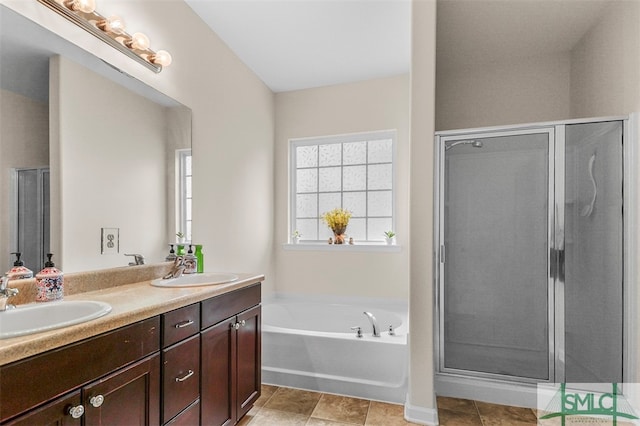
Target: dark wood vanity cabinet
pixel 230 356
pixel 199 364
pixel 112 378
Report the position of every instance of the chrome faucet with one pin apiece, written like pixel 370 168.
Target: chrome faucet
pixel 138 259
pixel 177 269
pixel 6 293
pixel 374 323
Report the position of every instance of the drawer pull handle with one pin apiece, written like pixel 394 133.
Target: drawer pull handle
pixel 235 326
pixel 182 379
pixel 184 324
pixel 96 401
pixel 76 412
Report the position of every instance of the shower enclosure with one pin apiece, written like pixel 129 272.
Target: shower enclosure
pixel 530 255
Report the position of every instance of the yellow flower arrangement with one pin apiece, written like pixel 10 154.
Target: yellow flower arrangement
pixel 337 220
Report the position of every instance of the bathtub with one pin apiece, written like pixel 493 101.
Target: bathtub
pixel 310 345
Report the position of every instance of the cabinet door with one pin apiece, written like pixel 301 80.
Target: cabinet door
pixel 248 373
pixel 130 396
pixel 218 363
pixel 55 413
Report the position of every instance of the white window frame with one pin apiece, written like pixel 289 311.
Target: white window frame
pixel 184 219
pixel 339 139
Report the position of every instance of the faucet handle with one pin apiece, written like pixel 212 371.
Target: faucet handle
pixel 358 331
pixel 138 258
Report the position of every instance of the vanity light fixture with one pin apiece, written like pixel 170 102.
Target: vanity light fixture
pixel 112 31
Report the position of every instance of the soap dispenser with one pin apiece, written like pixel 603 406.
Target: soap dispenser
pixel 190 262
pixel 49 282
pixel 172 254
pixel 19 271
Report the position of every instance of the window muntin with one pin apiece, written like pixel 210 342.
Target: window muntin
pixel 354 172
pixel 185 192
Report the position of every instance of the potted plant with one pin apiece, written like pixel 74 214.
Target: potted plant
pixel 337 220
pixel 390 237
pixel 295 237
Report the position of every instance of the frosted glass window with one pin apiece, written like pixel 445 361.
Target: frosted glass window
pixel 354 153
pixel 354 178
pixel 380 176
pixel 329 201
pixel 330 155
pixel 307 156
pixel 380 203
pixel 356 203
pixel 380 151
pixel 306 205
pixel 354 172
pixel 307 180
pixel 330 179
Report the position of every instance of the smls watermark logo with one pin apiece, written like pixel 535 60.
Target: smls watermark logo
pixel 565 405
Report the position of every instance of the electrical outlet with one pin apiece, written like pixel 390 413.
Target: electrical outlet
pixel 110 241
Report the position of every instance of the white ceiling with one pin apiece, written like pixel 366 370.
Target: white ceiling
pixel 296 44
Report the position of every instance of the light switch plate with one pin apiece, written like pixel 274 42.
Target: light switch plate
pixel 110 241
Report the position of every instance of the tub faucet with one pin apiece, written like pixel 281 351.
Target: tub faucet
pixel 138 259
pixel 374 323
pixel 6 293
pixel 177 269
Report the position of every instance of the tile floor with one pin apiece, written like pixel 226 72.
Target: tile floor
pixel 279 406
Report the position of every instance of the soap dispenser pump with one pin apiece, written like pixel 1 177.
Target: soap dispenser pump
pixel 49 282
pixel 19 271
pixel 172 254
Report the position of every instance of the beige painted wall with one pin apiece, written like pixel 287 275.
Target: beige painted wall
pixel 421 398
pixel 527 90
pixel 378 104
pixel 24 142
pixel 605 65
pixel 233 124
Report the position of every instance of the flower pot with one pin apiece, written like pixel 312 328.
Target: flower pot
pixel 390 241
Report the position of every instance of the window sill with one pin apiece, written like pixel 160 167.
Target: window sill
pixel 362 247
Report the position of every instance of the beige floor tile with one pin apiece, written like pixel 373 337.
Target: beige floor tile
pixel 383 414
pixel 249 416
pixel 498 415
pixel 341 409
pixel 456 404
pixel 266 392
pixel 458 418
pixel 322 422
pixel 293 401
pixel 268 417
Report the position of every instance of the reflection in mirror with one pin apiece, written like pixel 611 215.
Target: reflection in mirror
pixel 113 148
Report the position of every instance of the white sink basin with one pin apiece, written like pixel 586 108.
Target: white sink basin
pixel 38 317
pixel 196 280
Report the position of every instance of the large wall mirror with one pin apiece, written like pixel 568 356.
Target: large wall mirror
pixel 92 161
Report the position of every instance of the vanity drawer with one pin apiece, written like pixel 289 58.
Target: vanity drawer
pixel 229 304
pixel 180 324
pixel 180 376
pixel 189 417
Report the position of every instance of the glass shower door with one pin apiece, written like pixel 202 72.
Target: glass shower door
pixel 593 269
pixel 495 208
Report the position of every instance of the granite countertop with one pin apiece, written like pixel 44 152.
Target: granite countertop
pixel 130 303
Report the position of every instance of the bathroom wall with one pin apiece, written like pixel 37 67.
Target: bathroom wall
pixel 524 90
pixel 421 398
pixel 233 123
pixel 24 142
pixel 110 175
pixel 378 104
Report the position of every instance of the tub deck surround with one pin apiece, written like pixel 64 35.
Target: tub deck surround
pixel 130 303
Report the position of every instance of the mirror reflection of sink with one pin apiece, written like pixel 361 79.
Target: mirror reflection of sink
pixel 38 317
pixel 196 280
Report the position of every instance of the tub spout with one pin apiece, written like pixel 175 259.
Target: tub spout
pixel 374 323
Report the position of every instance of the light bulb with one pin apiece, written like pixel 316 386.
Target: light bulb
pixel 86 6
pixel 162 57
pixel 138 41
pixel 113 24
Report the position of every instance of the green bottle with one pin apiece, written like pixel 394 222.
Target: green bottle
pixel 200 258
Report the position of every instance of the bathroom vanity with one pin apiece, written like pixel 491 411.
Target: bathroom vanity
pixel 173 356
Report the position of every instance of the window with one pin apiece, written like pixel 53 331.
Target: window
pixel 183 157
pixel 354 172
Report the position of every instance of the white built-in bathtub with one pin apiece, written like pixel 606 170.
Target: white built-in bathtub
pixel 310 345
